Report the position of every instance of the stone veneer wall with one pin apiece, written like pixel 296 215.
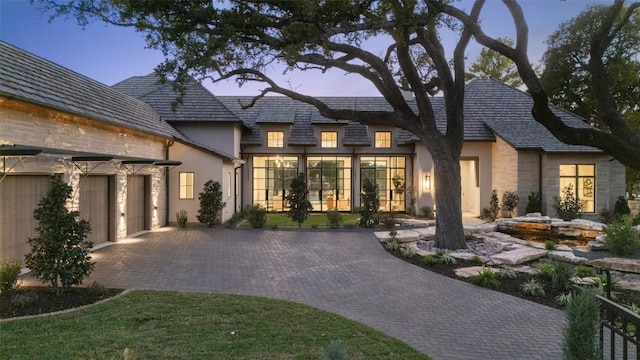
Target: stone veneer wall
pixel 26 124
pixel 506 173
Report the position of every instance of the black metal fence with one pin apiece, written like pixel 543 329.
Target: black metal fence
pixel 618 328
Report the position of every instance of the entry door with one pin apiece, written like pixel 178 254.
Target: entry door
pixel 470 187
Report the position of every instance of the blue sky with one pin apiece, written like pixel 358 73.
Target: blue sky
pixel 110 54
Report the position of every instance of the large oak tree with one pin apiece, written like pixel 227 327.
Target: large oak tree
pixel 240 39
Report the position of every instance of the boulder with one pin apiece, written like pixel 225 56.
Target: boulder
pixel 519 256
pixel 567 257
pixel 471 271
pixel 620 264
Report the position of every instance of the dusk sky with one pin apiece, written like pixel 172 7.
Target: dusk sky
pixel 110 54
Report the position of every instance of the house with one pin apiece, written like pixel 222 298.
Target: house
pixel 134 162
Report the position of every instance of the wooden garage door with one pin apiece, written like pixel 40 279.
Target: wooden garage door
pixel 136 204
pixel 19 197
pixel 95 206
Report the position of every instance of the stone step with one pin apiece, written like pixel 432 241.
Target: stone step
pixel 519 256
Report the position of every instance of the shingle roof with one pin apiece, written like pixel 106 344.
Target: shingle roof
pixel 507 112
pixel 30 78
pixel 198 103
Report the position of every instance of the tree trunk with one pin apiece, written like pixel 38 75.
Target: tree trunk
pixel 449 229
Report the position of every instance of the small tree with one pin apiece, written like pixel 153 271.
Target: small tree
pixel 534 204
pixel 211 204
pixel 369 204
pixel 60 253
pixel 298 198
pixel 494 207
pixel 580 334
pixel 568 207
pixel 509 203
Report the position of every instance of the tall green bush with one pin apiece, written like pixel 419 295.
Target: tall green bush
pixel 298 199
pixel 580 334
pixel 509 203
pixel 9 272
pixel 256 215
pixel 534 204
pixel 369 204
pixel 211 204
pixel 335 218
pixel 621 237
pixel 60 253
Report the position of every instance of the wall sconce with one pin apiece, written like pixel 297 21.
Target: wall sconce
pixel 426 185
pixel 122 214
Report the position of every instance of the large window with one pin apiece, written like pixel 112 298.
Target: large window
pixel 329 181
pixel 272 176
pixel 186 185
pixel 388 172
pixel 383 139
pixel 275 139
pixel 582 180
pixel 329 139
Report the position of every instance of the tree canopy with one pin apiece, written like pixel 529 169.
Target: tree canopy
pixel 490 64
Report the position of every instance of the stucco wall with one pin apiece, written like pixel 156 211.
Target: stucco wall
pixel 221 137
pixel 30 125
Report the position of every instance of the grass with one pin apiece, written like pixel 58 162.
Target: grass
pixel 173 325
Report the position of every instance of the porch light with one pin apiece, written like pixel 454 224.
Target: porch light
pixel 426 185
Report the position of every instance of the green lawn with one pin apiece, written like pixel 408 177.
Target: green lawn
pixel 172 325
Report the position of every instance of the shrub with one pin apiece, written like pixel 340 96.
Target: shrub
pixel 444 257
pixel 494 208
pixel 562 274
pixel 583 321
pixel 407 251
pixel 335 218
pixel 335 351
pixel 9 272
pixel 532 288
pixel 606 216
pixel 545 269
pixel 211 204
pixel 621 207
pixel 549 245
pixel 427 212
pixel 96 289
pixel 509 203
pixel 393 244
pixel 621 237
pixel 370 203
pixel 585 271
pixel 468 237
pixel 412 197
pixel 22 300
pixel 298 199
pixel 567 207
pixel 181 218
pixel 388 220
pixel 60 253
pixel 235 219
pixel 429 260
pixel 476 259
pixel 256 215
pixel 506 273
pixel 486 278
pixel 563 299
pixel 275 226
pixel 534 204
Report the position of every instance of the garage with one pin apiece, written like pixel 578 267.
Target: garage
pixel 19 197
pixel 96 203
pixel 137 203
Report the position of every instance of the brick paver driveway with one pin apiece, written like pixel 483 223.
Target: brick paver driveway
pixel 347 273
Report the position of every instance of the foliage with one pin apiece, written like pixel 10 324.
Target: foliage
pixel 486 278
pixel 398 184
pixel 534 204
pixel 335 218
pixel 412 198
pixel 494 207
pixel 583 321
pixel 335 351
pixel 562 274
pixel 235 219
pixel 393 244
pixel 256 215
pixel 549 245
pixel 96 289
pixel 9 272
pixel 636 219
pixel 468 237
pixel 427 212
pixel 298 198
pixel 445 257
pixel 476 259
pixel 407 251
pixel 621 207
pixel 533 288
pixel 564 298
pixel 545 269
pixel 490 64
pixel 211 204
pixel 621 237
pixel 585 271
pixel 181 218
pixel 567 207
pixel 369 204
pixel 60 253
pixel 506 273
pixel 509 203
pixel 429 260
pixel 388 220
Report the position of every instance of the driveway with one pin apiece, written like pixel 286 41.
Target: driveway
pixel 344 272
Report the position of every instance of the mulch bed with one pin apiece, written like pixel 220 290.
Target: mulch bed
pixel 26 301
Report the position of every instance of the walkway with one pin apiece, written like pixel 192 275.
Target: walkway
pixel 347 273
